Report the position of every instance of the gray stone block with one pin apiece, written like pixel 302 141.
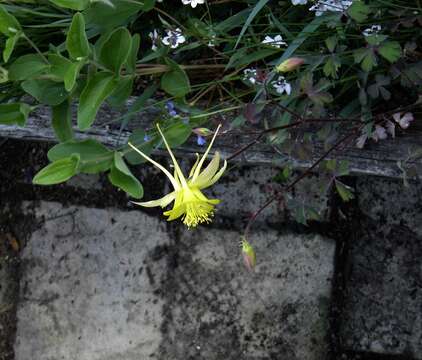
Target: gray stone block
pixel 383 307
pixel 113 285
pixel 389 202
pixel 218 310
pixel 88 287
pixel 244 190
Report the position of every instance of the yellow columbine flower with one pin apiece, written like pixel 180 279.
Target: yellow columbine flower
pixel 189 202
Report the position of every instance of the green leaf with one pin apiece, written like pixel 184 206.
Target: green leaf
pixel 58 171
pixel 62 121
pixel 76 41
pixel 175 82
pixel 345 192
pixel 72 75
pixel 94 157
pixel 176 134
pixel 148 5
pixel 59 65
pixel 116 49
pixel 122 177
pixel 331 43
pixel 98 88
pixel 101 17
pixel 10 46
pixel 257 8
pixel 72 4
pixel 390 50
pixel 133 54
pixel 27 66
pixel 65 70
pixel 359 11
pixel 122 91
pixel 366 57
pixel 332 65
pixel 9 26
pixel 137 138
pixel 45 91
pixel 307 31
pixel 14 113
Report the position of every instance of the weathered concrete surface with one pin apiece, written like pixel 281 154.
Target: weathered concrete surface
pixel 8 287
pixel 218 310
pixel 88 287
pixel 112 285
pixel 383 304
pixel 245 189
pixel 389 202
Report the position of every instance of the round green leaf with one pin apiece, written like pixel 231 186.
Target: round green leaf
pixel 98 88
pixel 58 171
pixel 122 177
pixel 94 157
pixel 45 91
pixel 76 41
pixel 116 49
pixel 8 23
pixel 14 113
pixel 27 66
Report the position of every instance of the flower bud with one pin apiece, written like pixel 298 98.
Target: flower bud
pixel 289 64
pixel 202 131
pixel 249 256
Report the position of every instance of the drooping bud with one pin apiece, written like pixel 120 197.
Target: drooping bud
pixel 289 64
pixel 249 256
pixel 202 131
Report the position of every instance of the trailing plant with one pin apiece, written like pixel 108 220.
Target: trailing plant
pixel 332 71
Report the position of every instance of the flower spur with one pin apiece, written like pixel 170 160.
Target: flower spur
pixel 189 202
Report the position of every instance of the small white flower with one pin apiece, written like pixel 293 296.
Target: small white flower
pixel 154 38
pixel 192 3
pixel 323 6
pixel 379 134
pixel 250 75
pixel 404 121
pixel 373 30
pixel 299 2
pixel 277 41
pixel 174 38
pixel 281 86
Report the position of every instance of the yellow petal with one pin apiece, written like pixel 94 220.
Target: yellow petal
pixel 161 167
pixel 163 202
pixel 206 175
pixel 215 178
pixel 201 162
pixel 176 165
pixel 194 165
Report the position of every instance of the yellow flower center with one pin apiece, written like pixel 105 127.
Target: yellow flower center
pixel 193 206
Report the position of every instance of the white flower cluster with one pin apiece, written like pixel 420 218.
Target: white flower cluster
pixel 276 41
pixel 281 86
pixel 381 132
pixel 256 77
pixel 322 6
pixel 373 30
pixel 193 3
pixel 173 38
